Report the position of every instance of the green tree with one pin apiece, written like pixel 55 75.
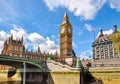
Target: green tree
pixel 116 41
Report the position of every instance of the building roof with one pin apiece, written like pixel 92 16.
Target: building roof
pixel 104 38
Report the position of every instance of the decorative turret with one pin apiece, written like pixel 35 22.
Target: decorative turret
pixel 22 40
pixel 44 53
pixel 56 53
pixel 23 48
pixel 5 43
pixel 11 37
pixel 39 50
pixel 115 29
pixel 101 33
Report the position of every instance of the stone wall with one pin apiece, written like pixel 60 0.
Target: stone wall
pixel 107 63
pixel 102 63
pixel 57 66
pixel 66 77
pixel 103 76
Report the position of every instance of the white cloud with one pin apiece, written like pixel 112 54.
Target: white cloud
pixel 36 38
pixel 86 55
pixel 3 37
pixel 108 32
pixel 46 44
pixel 1 19
pixel 51 46
pixel 18 32
pixel 115 4
pixel 73 44
pixel 1 45
pixel 79 33
pixel 89 27
pixel 86 9
pixel 53 37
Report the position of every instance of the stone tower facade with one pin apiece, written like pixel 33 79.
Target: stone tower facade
pixel 65 37
pixel 13 47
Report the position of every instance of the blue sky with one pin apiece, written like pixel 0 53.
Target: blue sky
pixel 38 21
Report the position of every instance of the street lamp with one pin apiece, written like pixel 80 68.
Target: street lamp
pixel 24 71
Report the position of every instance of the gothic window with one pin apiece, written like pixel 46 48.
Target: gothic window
pixel 110 43
pixel 106 45
pixel 100 46
pixel 13 48
pixel 101 49
pixel 96 45
pixel 111 56
pixel 102 57
pixel 18 48
pixel 106 56
pixel 115 53
pixel 106 53
pixel 111 53
pixel 106 49
pixel 98 57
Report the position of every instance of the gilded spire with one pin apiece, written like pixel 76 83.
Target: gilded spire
pixel 65 18
pixel 65 12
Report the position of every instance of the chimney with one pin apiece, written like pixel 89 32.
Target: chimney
pixel 101 33
pixel 115 29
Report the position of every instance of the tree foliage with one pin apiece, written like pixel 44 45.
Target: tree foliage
pixel 116 41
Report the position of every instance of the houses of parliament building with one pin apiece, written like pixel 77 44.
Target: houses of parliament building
pixel 16 48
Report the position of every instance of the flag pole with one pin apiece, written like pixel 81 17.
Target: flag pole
pixel 94 35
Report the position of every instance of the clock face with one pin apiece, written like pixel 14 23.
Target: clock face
pixel 69 30
pixel 62 30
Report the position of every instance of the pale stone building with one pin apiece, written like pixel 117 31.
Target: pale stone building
pixel 104 53
pixel 103 48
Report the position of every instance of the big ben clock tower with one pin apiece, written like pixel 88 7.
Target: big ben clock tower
pixel 65 37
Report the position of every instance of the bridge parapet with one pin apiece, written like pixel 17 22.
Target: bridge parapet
pixel 57 66
pixel 20 60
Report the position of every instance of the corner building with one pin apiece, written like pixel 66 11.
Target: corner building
pixel 103 48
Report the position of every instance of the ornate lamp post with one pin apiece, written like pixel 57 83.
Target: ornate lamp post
pixel 24 71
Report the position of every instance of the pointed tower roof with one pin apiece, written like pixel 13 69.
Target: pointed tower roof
pixel 24 48
pixel 12 37
pixel 65 18
pixel 39 51
pixel 65 15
